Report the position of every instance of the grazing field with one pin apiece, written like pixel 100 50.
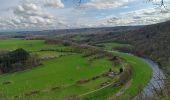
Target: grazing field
pixel 141 71
pixel 62 73
pixel 66 74
pixel 141 74
pixel 140 77
pixel 56 78
pixel 30 45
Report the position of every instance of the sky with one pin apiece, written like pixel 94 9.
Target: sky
pixel 67 14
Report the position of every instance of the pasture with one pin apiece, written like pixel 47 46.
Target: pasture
pixel 57 76
pixel 29 45
pixel 67 74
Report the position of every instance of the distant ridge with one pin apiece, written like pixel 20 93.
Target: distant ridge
pixel 78 30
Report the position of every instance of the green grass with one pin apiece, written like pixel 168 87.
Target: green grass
pixel 62 72
pixel 30 45
pixel 112 45
pixel 48 54
pixel 140 77
pixel 141 74
pixel 141 71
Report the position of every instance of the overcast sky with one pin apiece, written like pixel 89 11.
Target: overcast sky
pixel 61 14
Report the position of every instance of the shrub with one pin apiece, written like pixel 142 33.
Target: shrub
pixel 17 60
pixel 18 55
pixel 125 75
pixel 121 70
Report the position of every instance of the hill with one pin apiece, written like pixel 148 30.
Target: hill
pixel 69 71
pixel 152 41
pixel 61 32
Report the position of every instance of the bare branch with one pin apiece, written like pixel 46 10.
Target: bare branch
pixel 162 3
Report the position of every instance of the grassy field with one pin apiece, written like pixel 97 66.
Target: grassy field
pixel 49 54
pixel 140 77
pixel 56 78
pixel 62 72
pixel 112 45
pixel 30 45
pixel 141 72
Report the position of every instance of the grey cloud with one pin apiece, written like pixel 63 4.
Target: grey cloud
pixel 54 4
pixel 139 17
pixel 47 3
pixel 105 4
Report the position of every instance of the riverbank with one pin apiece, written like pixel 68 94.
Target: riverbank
pixel 156 81
pixel 142 73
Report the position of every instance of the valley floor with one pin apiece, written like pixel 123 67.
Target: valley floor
pixel 57 77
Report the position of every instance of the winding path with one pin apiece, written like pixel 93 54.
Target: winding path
pixel 97 89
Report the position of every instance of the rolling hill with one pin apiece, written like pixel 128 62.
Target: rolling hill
pixel 151 41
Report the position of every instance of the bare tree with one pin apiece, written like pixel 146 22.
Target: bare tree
pixel 160 2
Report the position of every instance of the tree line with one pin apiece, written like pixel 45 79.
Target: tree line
pixel 17 60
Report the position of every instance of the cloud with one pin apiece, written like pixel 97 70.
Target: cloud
pixel 29 16
pixel 27 10
pixel 31 13
pixel 46 3
pixel 54 4
pixel 139 17
pixel 105 4
pixel 46 14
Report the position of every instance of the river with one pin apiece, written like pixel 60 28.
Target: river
pixel 156 81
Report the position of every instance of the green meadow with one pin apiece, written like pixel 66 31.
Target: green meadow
pixel 112 45
pixel 30 45
pixel 140 77
pixel 56 78
pixel 62 73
